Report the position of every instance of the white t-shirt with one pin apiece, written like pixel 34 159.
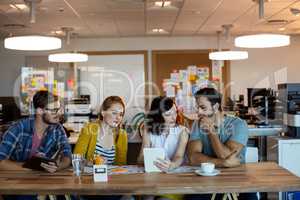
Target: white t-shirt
pixel 169 143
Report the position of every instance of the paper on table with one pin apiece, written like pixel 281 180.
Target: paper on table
pixel 126 169
pixel 183 169
pixel 120 169
pixel 151 155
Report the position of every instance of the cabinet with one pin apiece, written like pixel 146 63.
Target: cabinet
pixel 288 155
pixel 285 151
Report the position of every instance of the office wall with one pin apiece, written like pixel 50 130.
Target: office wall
pixel 267 68
pixel 10 68
pixel 264 67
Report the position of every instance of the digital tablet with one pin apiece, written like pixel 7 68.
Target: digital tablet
pixel 150 156
pixel 35 162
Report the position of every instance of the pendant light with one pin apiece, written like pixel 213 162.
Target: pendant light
pixel 267 40
pixel 227 55
pixel 32 43
pixel 262 41
pixel 68 56
pixel 32 6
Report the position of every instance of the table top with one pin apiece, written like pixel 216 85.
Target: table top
pixel 259 177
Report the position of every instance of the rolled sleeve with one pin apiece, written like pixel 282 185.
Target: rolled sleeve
pixel 8 142
pixel 195 132
pixel 64 143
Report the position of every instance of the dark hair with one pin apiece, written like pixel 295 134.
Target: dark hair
pixel 42 98
pixel 211 94
pixel 154 119
pixel 108 102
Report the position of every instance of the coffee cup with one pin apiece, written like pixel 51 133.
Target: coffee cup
pixel 207 167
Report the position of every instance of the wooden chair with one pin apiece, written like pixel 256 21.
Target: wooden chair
pixel 229 196
pixel 251 156
pixel 51 197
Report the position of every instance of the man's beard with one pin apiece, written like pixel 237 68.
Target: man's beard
pixel 47 121
pixel 211 115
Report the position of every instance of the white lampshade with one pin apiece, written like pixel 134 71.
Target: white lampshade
pixel 228 55
pixel 32 43
pixel 68 57
pixel 262 41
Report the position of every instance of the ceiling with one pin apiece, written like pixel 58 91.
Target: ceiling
pixel 132 18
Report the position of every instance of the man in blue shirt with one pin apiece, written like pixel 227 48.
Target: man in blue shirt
pixel 41 135
pixel 215 137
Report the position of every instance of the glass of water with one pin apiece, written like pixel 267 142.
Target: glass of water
pixel 77 163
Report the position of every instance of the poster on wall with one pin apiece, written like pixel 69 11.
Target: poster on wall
pixel 33 80
pixel 217 74
pixel 183 84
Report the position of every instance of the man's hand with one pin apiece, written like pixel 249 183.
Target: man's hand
pixel 207 124
pixel 192 117
pixel 163 164
pixel 50 167
pixel 232 160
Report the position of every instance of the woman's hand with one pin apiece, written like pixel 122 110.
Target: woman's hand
pixel 164 165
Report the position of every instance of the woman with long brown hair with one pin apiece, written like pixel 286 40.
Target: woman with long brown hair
pixel 163 130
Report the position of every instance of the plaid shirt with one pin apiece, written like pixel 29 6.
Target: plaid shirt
pixel 17 141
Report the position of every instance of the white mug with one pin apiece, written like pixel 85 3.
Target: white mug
pixel 207 167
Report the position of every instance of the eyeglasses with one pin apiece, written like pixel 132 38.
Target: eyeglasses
pixel 53 110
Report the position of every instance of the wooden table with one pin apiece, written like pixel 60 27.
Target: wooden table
pixel 261 177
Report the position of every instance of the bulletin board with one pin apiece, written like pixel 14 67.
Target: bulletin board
pixel 164 62
pixel 36 79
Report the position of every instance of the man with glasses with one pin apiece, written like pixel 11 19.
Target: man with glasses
pixel 40 135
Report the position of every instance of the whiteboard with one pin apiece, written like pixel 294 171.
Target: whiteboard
pixel 106 75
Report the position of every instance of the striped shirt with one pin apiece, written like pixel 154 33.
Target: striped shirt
pixel 107 154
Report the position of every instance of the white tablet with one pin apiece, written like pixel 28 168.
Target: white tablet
pixel 151 155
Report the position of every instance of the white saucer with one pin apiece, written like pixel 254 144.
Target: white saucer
pixel 201 173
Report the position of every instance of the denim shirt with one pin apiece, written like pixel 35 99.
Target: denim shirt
pixel 16 142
